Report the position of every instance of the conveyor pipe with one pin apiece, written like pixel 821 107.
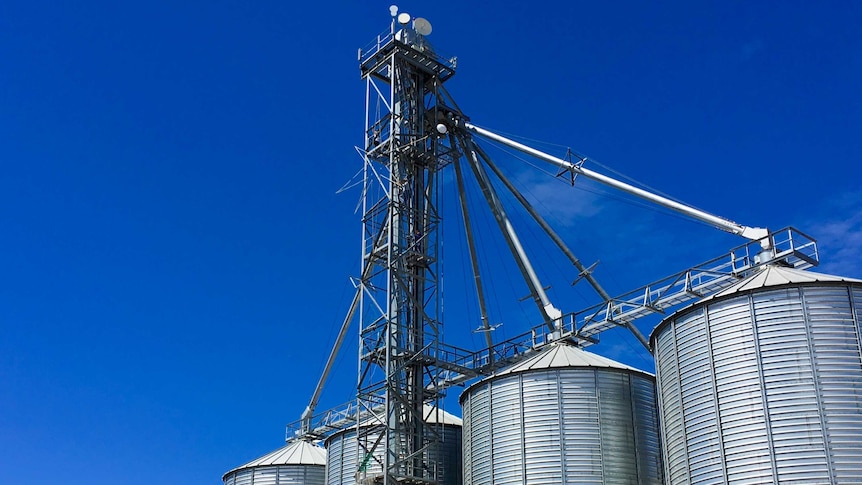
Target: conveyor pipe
pixel 752 233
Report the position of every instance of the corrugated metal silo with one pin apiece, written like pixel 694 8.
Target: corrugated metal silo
pixel 297 463
pixel 342 452
pixel 563 416
pixel 762 383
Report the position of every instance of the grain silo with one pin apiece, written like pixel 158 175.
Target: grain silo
pixel 563 416
pixel 762 382
pixel 298 463
pixel 342 450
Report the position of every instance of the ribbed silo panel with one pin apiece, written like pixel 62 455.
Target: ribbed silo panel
pixel 347 460
pixel 265 476
pixel 300 475
pixel 615 415
pixel 480 436
pixel 567 424
pixel 702 440
pixel 673 431
pixel 314 476
pixel 448 455
pixel 334 460
pixel 507 459
pixel 467 437
pixel 646 425
pixel 837 361
pixel 230 479
pixel 342 458
pixel 582 452
pixel 849 452
pixel 345 457
pixel 787 367
pixel 798 448
pixel 542 453
pixel 738 387
pixel 244 477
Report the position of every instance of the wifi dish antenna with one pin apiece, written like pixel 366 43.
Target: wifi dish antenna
pixel 422 26
pixel 393 10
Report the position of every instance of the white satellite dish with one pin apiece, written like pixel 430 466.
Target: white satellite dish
pixel 404 18
pixel 422 26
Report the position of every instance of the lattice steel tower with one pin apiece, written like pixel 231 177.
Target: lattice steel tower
pixel 400 302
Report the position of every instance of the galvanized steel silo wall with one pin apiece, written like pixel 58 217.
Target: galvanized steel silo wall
pixel 342 452
pixel 341 462
pixel 297 463
pixel 277 475
pixel 764 386
pixel 562 426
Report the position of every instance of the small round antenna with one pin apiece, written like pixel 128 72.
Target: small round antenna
pixel 422 26
pixel 393 10
pixel 404 18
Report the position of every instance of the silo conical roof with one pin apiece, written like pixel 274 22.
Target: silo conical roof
pixel 299 452
pixel 561 354
pixel 766 276
pixel 435 415
pixel 771 275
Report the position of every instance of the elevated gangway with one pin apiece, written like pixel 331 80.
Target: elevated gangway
pixel 790 247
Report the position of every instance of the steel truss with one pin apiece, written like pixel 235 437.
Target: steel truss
pixel 399 303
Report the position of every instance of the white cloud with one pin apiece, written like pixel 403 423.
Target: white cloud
pixel 559 200
pixel 839 235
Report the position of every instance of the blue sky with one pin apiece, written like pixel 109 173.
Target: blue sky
pixel 174 253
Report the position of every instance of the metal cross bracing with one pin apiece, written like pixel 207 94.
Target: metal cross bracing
pixel 399 300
